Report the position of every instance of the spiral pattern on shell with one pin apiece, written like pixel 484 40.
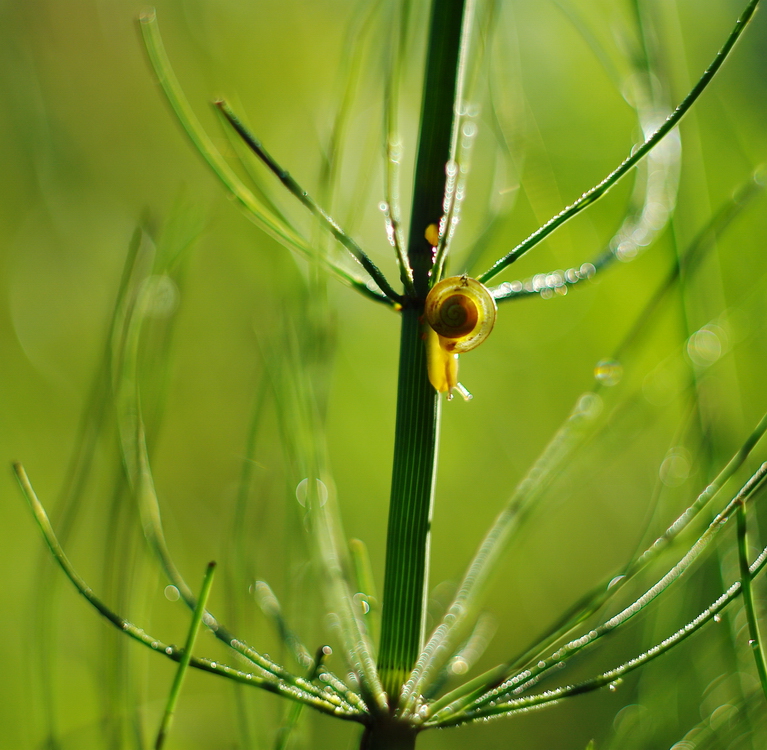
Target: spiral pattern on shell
pixel 462 311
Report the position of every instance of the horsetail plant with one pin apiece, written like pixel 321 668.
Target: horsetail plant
pixel 400 679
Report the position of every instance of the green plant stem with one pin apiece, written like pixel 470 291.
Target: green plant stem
pixel 435 138
pixel 186 657
pixel 407 548
pixel 415 441
pixel 754 638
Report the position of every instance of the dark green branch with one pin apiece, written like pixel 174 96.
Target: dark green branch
pixel 290 183
pixel 590 196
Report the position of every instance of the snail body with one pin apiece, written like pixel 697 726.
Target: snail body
pixel 460 313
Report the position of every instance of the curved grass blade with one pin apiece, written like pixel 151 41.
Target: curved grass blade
pixel 186 656
pixel 255 210
pixel 92 423
pixel 596 192
pixel 295 688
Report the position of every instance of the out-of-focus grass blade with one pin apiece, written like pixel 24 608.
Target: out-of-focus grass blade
pixel 366 587
pixel 271 607
pixel 294 713
pixel 257 212
pixel 557 453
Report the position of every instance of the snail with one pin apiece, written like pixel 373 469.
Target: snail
pixel 460 313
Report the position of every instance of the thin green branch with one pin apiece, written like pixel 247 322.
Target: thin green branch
pixel 186 656
pixel 296 709
pixel 755 639
pixel 272 608
pixel 529 667
pixel 253 207
pixel 596 192
pixel 295 688
pixel 549 697
pixel 587 640
pixel 604 591
pixel 295 189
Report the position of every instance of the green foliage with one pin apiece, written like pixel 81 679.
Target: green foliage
pixel 240 401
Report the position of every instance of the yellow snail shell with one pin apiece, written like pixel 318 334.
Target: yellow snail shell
pixel 460 313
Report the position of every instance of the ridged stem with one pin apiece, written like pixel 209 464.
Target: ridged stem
pixel 415 443
pixel 407 548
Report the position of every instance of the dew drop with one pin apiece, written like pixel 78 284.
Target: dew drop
pixel 608 372
pixel 171 593
pixel 303 490
pixel 459 666
pixel 704 347
pixel 160 295
pixel 587 271
pixel 362 602
pixel 676 467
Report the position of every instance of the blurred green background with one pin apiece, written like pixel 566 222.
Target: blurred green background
pixel 90 151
